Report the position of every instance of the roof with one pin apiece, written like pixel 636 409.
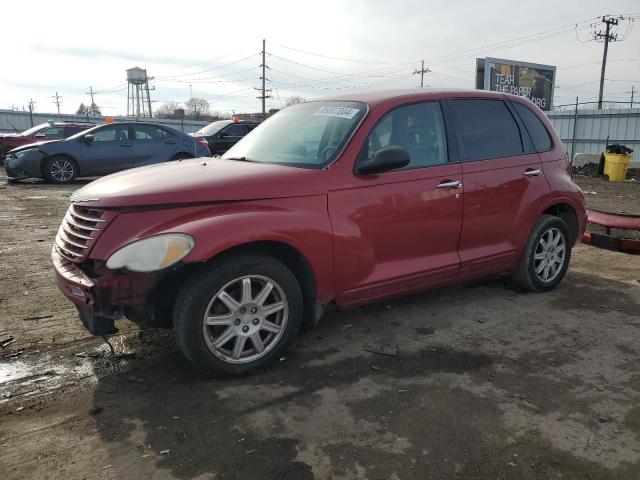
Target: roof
pixel 375 97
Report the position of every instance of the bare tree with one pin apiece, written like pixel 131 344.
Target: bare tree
pixel 197 108
pixel 167 110
pixel 296 99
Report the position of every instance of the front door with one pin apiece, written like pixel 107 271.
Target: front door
pixel 502 175
pixel 110 151
pixel 398 231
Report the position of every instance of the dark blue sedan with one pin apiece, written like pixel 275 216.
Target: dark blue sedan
pixel 102 150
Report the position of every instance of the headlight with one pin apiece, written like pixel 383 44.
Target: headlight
pixel 153 253
pixel 22 153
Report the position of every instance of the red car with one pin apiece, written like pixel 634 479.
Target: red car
pixel 339 202
pixel 44 132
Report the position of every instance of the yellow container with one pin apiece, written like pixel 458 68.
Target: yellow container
pixel 615 166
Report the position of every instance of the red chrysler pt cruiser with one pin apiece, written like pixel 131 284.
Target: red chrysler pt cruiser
pixel 339 201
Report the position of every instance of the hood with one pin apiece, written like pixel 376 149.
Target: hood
pixel 9 135
pixel 200 180
pixel 32 145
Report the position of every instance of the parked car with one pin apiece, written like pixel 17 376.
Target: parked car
pixel 45 132
pixel 224 134
pixel 337 202
pixel 102 150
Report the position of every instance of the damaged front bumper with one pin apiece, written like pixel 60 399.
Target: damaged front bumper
pixel 102 300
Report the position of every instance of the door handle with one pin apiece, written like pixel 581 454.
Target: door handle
pixel 169 142
pixel 450 184
pixel 532 172
pixel 125 144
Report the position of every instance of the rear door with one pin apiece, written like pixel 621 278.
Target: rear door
pixel 398 231
pixel 502 178
pixel 152 144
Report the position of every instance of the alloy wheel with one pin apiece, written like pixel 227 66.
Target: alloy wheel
pixel 245 319
pixel 550 254
pixel 62 170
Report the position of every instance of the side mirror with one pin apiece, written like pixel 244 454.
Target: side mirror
pixel 88 138
pixel 384 160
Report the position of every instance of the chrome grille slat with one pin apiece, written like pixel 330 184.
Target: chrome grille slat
pixel 75 214
pixel 70 221
pixel 69 231
pixel 64 237
pixel 75 235
pixel 65 250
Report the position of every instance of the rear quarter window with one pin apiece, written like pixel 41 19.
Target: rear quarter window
pixel 537 131
pixel 486 129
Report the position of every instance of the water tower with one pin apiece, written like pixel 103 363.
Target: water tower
pixel 138 99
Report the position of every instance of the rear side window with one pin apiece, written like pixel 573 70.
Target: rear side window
pixel 486 129
pixel 537 131
pixel 418 128
pixel 150 132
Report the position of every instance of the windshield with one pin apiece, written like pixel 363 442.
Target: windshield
pixel 213 127
pixel 308 135
pixel 35 129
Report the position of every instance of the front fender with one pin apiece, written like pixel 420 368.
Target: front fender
pixel 301 223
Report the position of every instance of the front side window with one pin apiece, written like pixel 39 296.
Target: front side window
pixel 308 135
pixel 418 128
pixel 112 133
pixel 487 129
pixel 150 132
pixel 539 135
pixel 234 130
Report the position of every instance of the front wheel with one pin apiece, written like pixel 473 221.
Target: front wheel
pixel 60 170
pixel 239 315
pixel 546 257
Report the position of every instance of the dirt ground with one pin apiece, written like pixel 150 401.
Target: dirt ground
pixel 610 196
pixel 489 383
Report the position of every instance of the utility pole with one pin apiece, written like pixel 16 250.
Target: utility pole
pixel 190 92
pixel 264 79
pixel 608 37
pixel 422 71
pixel 632 92
pixel 57 101
pixel 31 104
pixel 91 109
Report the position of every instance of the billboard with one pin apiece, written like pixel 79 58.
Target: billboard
pixel 531 80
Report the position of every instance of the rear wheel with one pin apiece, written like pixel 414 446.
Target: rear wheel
pixel 546 256
pixel 59 169
pixel 239 315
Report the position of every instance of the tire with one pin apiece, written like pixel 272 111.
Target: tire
pixel 59 169
pixel 181 156
pixel 545 272
pixel 235 317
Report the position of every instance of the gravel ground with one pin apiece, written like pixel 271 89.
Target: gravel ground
pixel 489 382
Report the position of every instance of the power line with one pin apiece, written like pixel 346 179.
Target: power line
pixel 218 67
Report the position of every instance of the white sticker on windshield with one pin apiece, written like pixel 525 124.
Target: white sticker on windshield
pixel 340 112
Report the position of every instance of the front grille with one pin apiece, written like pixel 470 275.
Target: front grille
pixel 79 229
pixel 622 233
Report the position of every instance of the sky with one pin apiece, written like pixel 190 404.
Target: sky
pixel 211 49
